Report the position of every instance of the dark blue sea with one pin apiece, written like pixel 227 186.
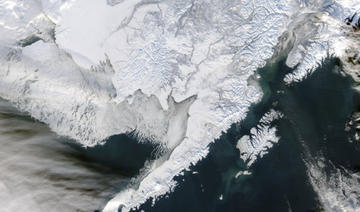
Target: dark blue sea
pixel 316 116
pixel 316 112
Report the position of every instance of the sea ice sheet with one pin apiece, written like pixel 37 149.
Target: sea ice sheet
pixel 174 71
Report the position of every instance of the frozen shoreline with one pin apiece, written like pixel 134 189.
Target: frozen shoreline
pixel 176 72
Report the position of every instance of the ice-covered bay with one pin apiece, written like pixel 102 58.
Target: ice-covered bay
pixel 178 73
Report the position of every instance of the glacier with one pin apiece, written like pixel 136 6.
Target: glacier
pixel 177 73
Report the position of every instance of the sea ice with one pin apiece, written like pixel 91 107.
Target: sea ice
pixel 174 71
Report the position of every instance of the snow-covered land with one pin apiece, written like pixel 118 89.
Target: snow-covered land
pixel 261 139
pixel 323 32
pixel 174 71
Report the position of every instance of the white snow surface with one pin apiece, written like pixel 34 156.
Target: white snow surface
pixel 174 71
pixel 322 33
pixel 261 139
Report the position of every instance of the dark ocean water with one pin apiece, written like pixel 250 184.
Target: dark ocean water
pixel 316 111
pixel 122 153
pixel 40 171
pixel 47 172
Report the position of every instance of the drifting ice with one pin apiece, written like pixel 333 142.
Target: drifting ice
pixel 175 72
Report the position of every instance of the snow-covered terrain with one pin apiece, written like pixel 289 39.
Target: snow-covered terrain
pixel 261 139
pixel 176 72
pixel 322 32
pixel 39 173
